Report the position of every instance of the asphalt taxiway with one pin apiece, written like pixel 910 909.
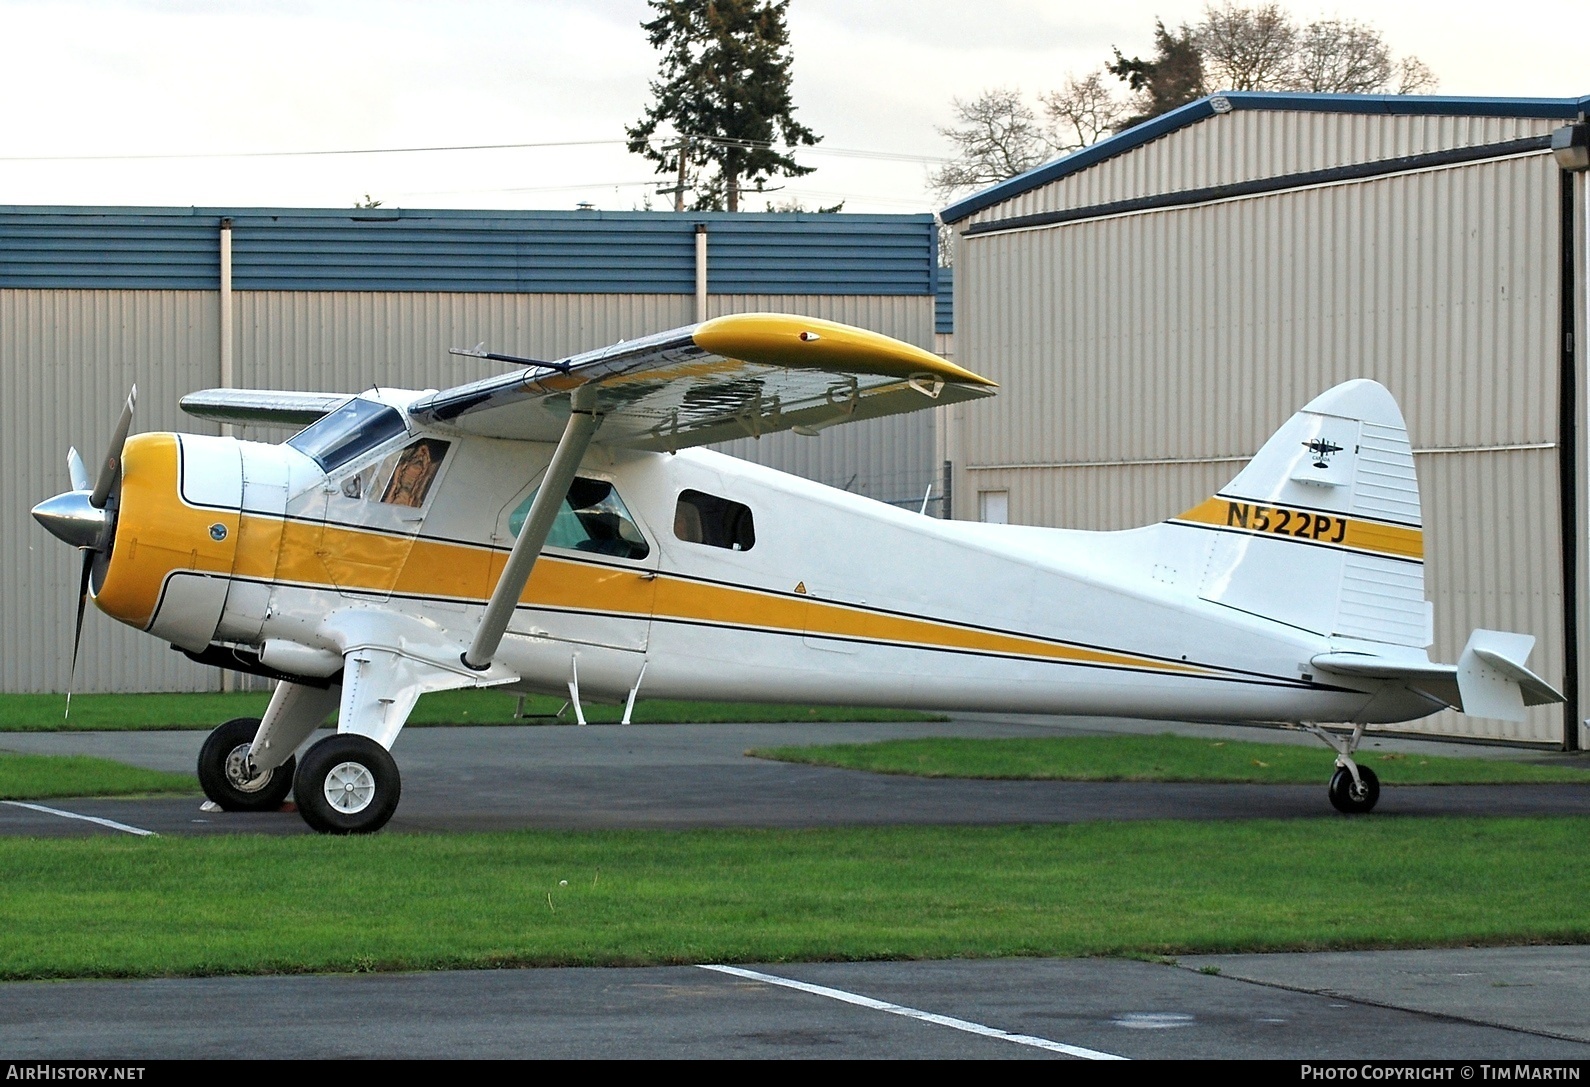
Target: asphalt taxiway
pixel 676 776
pixel 1461 1005
pixel 992 1009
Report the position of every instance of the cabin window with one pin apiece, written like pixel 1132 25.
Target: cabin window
pixel 356 427
pixel 702 518
pixel 593 518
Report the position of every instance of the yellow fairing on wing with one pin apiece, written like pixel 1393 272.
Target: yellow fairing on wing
pixel 775 339
pixel 157 533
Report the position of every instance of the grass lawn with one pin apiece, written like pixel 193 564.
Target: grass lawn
pixel 1155 758
pixel 118 712
pixel 117 907
pixel 35 777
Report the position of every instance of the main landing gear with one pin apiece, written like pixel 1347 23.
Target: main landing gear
pixel 346 784
pixel 227 776
pixel 1354 789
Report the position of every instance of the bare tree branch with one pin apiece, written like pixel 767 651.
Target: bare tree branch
pixel 1415 77
pixel 997 137
pixel 1247 49
pixel 1081 112
pixel 1339 56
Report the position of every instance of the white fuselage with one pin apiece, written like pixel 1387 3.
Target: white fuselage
pixel 839 600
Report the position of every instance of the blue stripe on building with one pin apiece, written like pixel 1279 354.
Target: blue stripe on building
pixel 944 302
pixel 556 252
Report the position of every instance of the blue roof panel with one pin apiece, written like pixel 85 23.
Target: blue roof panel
pixel 557 252
pixel 944 302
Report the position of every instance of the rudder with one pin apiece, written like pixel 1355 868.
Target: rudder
pixel 1322 529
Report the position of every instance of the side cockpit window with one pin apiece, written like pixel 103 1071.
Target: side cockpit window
pixel 593 518
pixel 702 518
pixel 402 478
pixel 356 427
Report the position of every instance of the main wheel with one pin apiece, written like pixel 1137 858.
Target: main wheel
pixel 223 770
pixel 1354 798
pixel 347 784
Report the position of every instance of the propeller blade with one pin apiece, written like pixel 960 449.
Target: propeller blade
pixel 77 470
pixel 77 635
pixel 112 466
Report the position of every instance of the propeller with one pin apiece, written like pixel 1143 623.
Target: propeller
pixel 80 518
pixel 77 469
pixel 77 633
pixel 112 466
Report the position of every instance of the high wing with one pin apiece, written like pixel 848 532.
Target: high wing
pixel 731 377
pixel 261 406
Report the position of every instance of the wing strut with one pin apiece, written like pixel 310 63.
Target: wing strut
pixel 582 424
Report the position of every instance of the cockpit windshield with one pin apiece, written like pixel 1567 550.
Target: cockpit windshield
pixel 356 427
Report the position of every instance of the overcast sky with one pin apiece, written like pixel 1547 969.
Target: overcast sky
pixel 166 77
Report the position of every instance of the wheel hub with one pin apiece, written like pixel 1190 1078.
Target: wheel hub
pixel 349 787
pixel 239 771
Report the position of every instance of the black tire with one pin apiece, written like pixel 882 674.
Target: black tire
pixel 221 762
pixel 347 784
pixel 1349 800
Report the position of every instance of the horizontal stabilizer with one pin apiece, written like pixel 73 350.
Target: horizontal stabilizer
pixel 1489 680
pixel 1412 667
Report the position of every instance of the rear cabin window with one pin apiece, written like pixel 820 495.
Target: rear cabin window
pixel 593 518
pixel 702 518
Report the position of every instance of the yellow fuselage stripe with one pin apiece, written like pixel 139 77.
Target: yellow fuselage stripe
pixel 1309 526
pixel 365 561
pixel 159 534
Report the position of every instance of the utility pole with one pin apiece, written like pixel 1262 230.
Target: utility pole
pixel 683 147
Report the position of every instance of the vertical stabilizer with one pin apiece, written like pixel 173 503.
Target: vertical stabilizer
pixel 1322 530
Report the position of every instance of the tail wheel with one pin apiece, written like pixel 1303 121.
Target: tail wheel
pixel 1354 797
pixel 224 770
pixel 347 784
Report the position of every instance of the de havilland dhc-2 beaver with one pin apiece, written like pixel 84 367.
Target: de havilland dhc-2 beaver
pixel 556 529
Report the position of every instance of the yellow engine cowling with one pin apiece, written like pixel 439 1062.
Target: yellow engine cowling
pixel 176 536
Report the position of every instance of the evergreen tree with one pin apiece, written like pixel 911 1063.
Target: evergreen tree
pixel 723 88
pixel 1173 78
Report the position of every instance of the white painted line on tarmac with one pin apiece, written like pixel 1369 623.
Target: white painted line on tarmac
pixel 111 823
pixel 914 1013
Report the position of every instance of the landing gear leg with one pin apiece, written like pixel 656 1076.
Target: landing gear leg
pixel 1354 789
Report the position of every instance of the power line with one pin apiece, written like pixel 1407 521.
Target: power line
pixel 303 154
pixel 840 152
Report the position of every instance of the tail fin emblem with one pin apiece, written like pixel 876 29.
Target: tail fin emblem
pixel 1322 451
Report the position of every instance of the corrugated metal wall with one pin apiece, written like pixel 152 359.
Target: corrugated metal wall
pixel 67 359
pixel 1247 144
pixel 92 299
pixel 348 341
pixel 1144 357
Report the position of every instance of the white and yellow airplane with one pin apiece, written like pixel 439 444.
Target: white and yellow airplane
pixel 555 529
